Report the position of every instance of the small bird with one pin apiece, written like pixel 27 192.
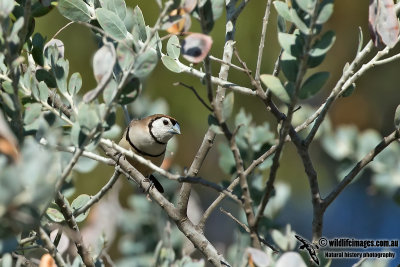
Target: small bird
pixel 148 137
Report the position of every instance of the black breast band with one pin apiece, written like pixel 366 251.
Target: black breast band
pixel 138 150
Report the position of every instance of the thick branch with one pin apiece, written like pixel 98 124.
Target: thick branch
pixel 70 219
pixel 51 248
pixel 182 222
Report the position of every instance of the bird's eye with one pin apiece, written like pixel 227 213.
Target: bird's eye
pixel 165 122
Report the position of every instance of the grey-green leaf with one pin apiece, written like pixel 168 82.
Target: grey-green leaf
pixel 6 6
pixel 213 124
pixel 276 87
pixel 290 43
pixel 47 77
pixel 360 40
pixel 173 47
pixel 313 84
pixel 116 6
pixel 145 63
pixel 171 64
pixel 110 91
pixel 87 117
pixel 54 214
pixel 43 91
pixel 78 138
pixel 322 46
pixel 75 83
pixel 60 71
pixel 349 90
pixel 103 62
pixel 325 12
pixel 397 118
pixel 78 203
pixel 111 24
pixel 227 106
pixel 299 22
pixel 37 48
pixel 13 37
pixel 32 112
pixel 307 5
pixel 75 10
pixel 125 56
pixel 283 10
pixel 290 66
pixel 281 24
pixel 139 26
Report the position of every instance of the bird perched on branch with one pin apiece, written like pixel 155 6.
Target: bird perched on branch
pixel 148 137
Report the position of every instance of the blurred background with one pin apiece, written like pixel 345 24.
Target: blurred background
pixel 359 212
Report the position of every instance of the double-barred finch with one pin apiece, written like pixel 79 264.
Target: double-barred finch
pixel 148 137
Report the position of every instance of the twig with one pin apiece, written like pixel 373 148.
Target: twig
pixel 29 239
pixel 126 115
pixel 94 199
pixel 217 187
pixel 218 81
pixel 319 115
pixel 359 263
pixel 227 63
pixel 194 169
pixel 196 94
pixel 262 39
pixel 70 219
pixel 62 28
pixel 87 154
pixel 67 170
pixel 245 227
pixel 51 248
pixel 232 14
pixel 359 166
pixel 387 60
pixel 215 203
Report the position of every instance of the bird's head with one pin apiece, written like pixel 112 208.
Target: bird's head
pixel 163 127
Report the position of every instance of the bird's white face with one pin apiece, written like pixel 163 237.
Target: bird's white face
pixel 164 128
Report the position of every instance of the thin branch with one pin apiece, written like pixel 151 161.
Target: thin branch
pixel 70 219
pixel 67 170
pixel 230 29
pixel 217 187
pixel 196 94
pixel 94 199
pixel 359 166
pixel 51 248
pixel 239 9
pixel 387 60
pixel 319 115
pixel 218 81
pixel 247 229
pixel 262 39
pixel 244 226
pixel 194 169
pixel 29 239
pixel 62 28
pixel 214 205
pixel 127 118
pixel 87 154
pixel 227 63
